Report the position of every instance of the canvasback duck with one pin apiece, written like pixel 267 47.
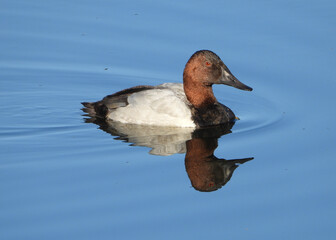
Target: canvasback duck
pixel 191 104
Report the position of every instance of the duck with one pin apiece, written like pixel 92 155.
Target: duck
pixel 189 104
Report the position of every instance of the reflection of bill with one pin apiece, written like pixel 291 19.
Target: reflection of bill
pixel 206 172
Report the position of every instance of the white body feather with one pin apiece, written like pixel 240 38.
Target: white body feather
pixel 165 106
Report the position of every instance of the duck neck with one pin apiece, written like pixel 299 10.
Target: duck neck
pixel 199 94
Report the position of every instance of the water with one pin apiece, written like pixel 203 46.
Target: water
pixel 62 178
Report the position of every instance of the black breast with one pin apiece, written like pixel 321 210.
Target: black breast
pixel 213 114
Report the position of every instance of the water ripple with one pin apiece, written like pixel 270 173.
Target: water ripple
pixel 255 114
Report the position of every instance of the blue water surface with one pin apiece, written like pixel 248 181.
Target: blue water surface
pixel 62 178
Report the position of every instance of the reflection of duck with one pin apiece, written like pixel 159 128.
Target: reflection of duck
pixel 207 172
pixel 192 104
pixel 163 140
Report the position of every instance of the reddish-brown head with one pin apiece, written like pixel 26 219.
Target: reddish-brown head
pixel 204 69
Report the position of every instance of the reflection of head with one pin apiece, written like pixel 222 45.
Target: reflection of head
pixel 206 172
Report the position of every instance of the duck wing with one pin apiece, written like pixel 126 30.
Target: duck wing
pixel 119 99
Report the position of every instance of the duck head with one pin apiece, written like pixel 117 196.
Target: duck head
pixel 205 68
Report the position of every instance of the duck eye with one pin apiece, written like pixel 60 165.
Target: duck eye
pixel 207 64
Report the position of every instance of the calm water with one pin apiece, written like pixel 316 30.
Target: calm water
pixel 62 178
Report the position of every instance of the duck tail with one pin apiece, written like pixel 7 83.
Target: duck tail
pixel 89 108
